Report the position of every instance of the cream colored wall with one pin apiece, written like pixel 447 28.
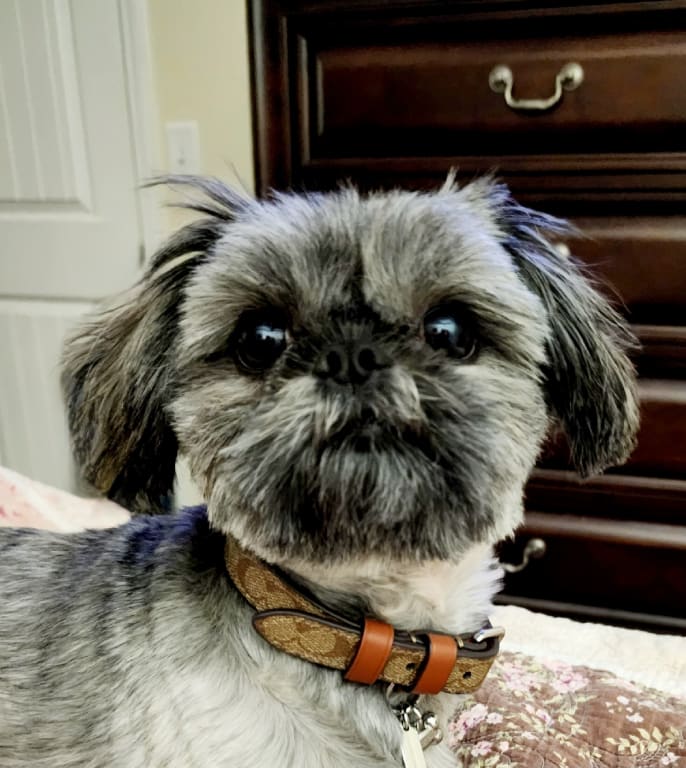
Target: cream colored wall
pixel 200 61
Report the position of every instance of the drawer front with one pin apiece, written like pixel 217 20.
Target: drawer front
pixel 663 350
pixel 397 92
pixel 661 449
pixel 590 562
pixel 627 184
pixel 396 100
pixel 641 261
pixel 611 496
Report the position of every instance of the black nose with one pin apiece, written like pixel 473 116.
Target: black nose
pixel 352 364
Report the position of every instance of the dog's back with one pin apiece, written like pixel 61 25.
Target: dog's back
pixel 82 617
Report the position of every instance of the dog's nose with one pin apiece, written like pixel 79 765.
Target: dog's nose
pixel 352 364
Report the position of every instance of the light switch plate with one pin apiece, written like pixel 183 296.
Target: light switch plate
pixel 183 146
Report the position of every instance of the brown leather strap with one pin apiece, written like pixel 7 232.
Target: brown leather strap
pixel 296 623
pixel 327 643
pixel 372 652
pixel 440 662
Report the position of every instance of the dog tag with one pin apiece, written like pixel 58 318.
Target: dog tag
pixel 430 732
pixel 411 749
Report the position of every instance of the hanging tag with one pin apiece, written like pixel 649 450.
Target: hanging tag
pixel 411 749
pixel 429 733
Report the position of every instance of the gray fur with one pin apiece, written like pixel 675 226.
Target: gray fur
pixel 130 647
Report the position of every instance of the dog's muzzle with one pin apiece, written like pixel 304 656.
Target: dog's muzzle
pixel 367 651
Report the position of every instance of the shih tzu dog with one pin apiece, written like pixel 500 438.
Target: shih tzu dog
pixel 361 385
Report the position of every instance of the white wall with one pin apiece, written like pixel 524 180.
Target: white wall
pixel 201 73
pixel 200 60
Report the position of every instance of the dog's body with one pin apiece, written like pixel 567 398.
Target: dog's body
pixel 96 676
pixel 362 386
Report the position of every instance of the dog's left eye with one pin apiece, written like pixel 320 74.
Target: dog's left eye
pixel 449 328
pixel 260 340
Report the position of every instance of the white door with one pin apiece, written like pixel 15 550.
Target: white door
pixel 69 223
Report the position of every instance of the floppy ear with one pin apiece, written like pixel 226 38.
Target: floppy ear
pixel 118 371
pixel 591 383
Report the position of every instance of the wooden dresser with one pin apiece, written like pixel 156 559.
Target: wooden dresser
pixel 395 92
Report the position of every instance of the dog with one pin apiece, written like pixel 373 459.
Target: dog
pixel 361 385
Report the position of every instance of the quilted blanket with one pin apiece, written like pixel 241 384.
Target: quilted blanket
pixel 543 713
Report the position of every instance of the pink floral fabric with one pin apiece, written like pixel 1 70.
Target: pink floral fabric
pixel 26 503
pixel 533 713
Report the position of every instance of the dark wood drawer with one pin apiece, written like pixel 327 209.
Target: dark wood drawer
pixel 434 97
pixel 396 92
pixel 663 350
pixel 642 262
pixel 612 496
pixel 611 568
pixel 661 449
pixel 627 184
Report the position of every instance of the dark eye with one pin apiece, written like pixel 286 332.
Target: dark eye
pixel 450 328
pixel 260 339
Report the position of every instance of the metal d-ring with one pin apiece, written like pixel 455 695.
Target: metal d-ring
pixel 501 80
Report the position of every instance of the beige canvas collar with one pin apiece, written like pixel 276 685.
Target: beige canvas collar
pixel 368 651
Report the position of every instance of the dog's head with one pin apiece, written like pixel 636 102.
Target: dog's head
pixel 352 374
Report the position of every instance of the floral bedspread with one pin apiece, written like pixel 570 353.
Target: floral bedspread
pixel 536 713
pixel 28 503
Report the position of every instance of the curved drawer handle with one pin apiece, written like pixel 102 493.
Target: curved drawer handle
pixel 568 78
pixel 533 549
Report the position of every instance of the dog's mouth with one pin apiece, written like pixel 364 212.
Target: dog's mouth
pixel 367 434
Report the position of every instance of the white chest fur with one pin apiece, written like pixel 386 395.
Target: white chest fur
pixel 285 718
pixel 448 597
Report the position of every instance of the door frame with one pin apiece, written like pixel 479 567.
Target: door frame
pixel 143 116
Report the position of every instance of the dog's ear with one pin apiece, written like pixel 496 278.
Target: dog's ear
pixel 591 383
pixel 118 372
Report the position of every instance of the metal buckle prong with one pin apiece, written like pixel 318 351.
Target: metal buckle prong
pixel 486 633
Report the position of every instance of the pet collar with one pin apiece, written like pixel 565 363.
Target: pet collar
pixel 420 662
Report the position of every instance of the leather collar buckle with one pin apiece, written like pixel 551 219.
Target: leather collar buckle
pixel 421 662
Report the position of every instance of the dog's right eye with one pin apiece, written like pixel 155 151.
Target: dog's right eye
pixel 261 338
pixel 450 328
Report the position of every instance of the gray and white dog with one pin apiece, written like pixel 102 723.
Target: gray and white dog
pixel 362 385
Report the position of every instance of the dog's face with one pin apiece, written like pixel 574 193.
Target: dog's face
pixel 362 375
pixel 352 375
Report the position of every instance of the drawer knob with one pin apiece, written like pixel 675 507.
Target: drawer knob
pixel 533 549
pixel 501 80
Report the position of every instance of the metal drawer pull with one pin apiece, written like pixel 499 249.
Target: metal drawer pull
pixel 533 549
pixel 568 78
